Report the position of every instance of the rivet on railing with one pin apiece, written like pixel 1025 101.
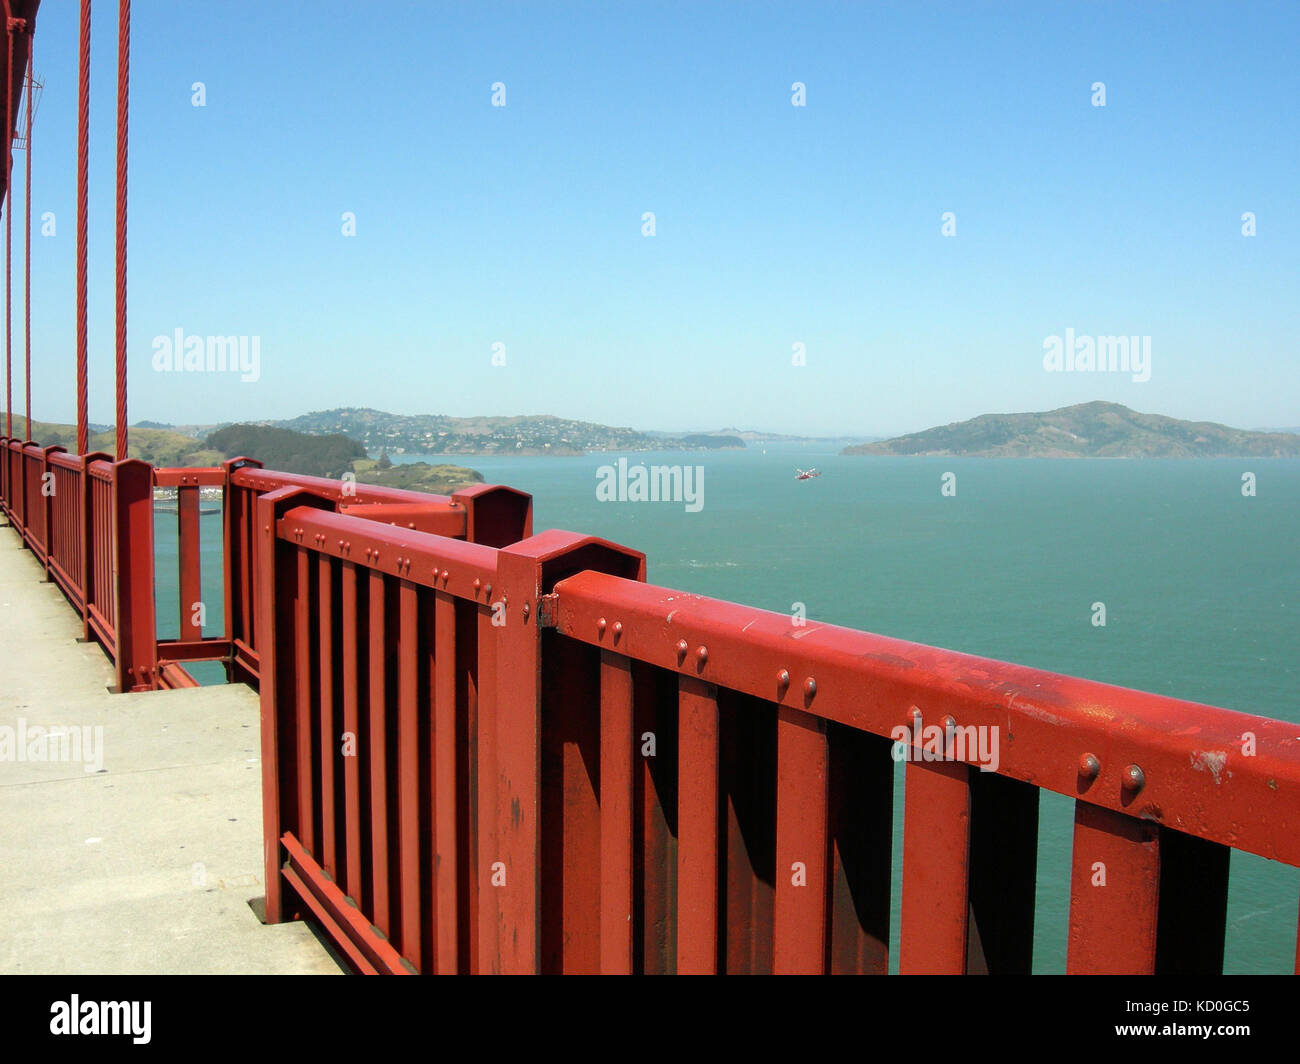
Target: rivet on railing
pixel 618 630
pixel 600 626
pixel 526 611
pixel 783 680
pixel 702 652
pixel 810 687
pixel 681 650
pixel 1134 779
pixel 487 592
pixel 477 584
pixel 1089 766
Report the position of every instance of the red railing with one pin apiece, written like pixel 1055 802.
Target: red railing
pixel 90 522
pixel 488 751
pixel 624 778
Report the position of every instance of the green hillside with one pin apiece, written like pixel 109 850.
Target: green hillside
pixel 1088 430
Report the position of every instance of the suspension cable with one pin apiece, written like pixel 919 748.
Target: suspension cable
pixel 83 152
pixel 123 85
pixel 27 245
pixel 8 209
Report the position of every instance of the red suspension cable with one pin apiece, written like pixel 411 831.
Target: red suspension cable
pixel 27 247
pixel 83 152
pixel 123 84
pixel 8 209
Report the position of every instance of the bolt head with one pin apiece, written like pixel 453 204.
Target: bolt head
pixel 1134 779
pixel 1089 766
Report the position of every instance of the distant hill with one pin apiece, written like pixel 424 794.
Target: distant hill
pixel 1088 430
pixel 332 456
pixel 524 435
pixel 292 452
pixel 160 447
pixel 417 476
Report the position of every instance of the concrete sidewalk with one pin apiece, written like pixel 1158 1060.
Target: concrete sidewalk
pixel 142 854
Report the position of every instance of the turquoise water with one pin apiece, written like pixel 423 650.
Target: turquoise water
pixel 1200 585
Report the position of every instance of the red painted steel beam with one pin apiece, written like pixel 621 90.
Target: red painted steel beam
pixel 464 569
pixel 193 650
pixel 182 477
pixel 1195 775
pixel 172 676
pixel 365 947
pixel 11 85
pixel 437 518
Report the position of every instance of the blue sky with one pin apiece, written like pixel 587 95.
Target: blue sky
pixel 775 224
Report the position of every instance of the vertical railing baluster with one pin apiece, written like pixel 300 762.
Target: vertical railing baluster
pixel 1114 893
pixel 935 915
pixel 329 739
pixel 351 724
pixel 616 834
pixel 802 770
pixel 408 769
pixel 188 555
pixel 697 828
pixel 493 871
pixel 445 805
pixel 305 733
pixel 377 741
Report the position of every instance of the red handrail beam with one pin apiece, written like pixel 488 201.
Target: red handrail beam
pixel 1196 777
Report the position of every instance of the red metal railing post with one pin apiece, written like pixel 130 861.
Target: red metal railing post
pixel 496 516
pixel 24 519
pixel 87 534
pixel 4 476
pixel 47 502
pixel 233 560
pixel 135 635
pixel 510 829
pixel 279 683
